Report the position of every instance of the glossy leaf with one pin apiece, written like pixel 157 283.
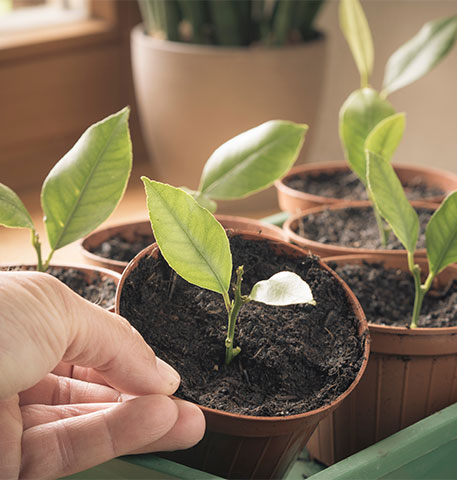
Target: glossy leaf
pixel 356 30
pixel 283 288
pixel 390 200
pixel 13 213
pixel 252 160
pixel 201 198
pixel 418 56
pixel 386 136
pixel 85 186
pixel 191 240
pixel 360 113
pixel 441 235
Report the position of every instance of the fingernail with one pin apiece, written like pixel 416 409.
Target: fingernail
pixel 167 372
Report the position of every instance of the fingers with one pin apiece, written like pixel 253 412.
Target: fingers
pixel 45 322
pixel 77 443
pixel 10 438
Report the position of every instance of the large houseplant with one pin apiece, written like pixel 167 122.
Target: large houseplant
pixel 79 193
pixel 241 62
pixel 258 431
pixel 248 163
pixel 329 183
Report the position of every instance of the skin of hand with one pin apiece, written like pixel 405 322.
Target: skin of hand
pixel 78 384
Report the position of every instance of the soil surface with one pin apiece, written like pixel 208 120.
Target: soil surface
pixel 387 296
pixel 122 249
pixel 345 184
pixel 353 227
pixel 101 290
pixel 293 359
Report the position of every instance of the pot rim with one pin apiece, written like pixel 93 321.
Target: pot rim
pixel 293 236
pixel 339 165
pixel 357 309
pixel 402 264
pixel 138 35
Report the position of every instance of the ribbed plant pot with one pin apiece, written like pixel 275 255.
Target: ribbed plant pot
pixel 193 98
pixel 325 250
pixel 293 201
pixel 410 375
pixel 137 230
pixel 242 446
pixel 90 273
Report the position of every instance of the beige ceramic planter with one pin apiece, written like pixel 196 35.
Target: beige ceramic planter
pixel 291 200
pixel 193 98
pixel 324 250
pixel 242 446
pixel 410 375
pixel 139 230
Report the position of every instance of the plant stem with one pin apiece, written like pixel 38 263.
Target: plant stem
pixel 420 290
pixel 46 264
pixel 37 245
pixel 239 301
pixel 383 230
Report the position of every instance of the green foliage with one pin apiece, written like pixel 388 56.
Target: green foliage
pixel 283 288
pixel 13 213
pixel 356 30
pixel 85 186
pixel 196 247
pixel 386 135
pixel 390 200
pixel 191 240
pixel 441 235
pixel 360 113
pixel 420 54
pixel 231 22
pixel 252 160
pixel 82 189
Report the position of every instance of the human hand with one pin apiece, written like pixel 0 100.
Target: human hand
pixel 107 395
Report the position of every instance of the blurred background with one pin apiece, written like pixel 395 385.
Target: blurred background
pixel 65 64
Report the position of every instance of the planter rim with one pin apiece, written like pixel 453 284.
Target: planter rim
pixel 416 332
pixel 339 165
pixel 357 309
pixel 138 35
pixel 292 236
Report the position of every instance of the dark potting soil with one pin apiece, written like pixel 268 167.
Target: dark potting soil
pixel 293 359
pixel 353 227
pixel 345 184
pixel 100 290
pixel 387 296
pixel 122 249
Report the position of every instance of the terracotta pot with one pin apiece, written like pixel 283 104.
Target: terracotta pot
pixel 294 201
pixel 193 98
pixel 90 273
pixel 137 230
pixel 241 446
pixel 410 375
pixel 325 250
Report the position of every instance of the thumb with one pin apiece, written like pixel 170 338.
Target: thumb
pixel 44 322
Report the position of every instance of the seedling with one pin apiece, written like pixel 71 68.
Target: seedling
pixel 365 108
pixel 249 162
pixel 196 247
pixel 81 190
pixel 441 231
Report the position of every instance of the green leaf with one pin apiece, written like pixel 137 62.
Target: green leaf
pixel 356 30
pixel 13 213
pixel 283 288
pixel 201 198
pixel 252 160
pixel 191 240
pixel 390 200
pixel 85 186
pixel 418 56
pixel 386 135
pixel 441 235
pixel 360 113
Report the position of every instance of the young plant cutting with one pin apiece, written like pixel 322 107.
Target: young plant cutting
pixel 80 191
